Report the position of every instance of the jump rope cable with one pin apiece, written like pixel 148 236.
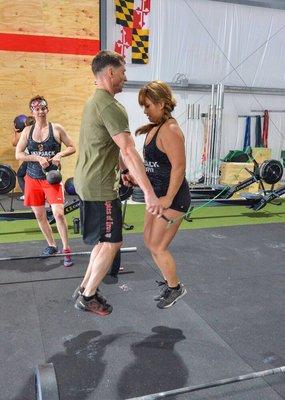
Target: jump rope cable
pixel 191 209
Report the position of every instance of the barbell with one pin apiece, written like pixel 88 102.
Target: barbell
pixel 78 253
pixel 46 386
pixel 220 382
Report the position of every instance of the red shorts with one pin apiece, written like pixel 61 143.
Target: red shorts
pixel 37 191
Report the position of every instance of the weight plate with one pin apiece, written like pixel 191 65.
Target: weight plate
pixel 7 179
pixel 45 383
pixel 271 171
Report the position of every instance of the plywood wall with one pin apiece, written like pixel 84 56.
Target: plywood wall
pixel 65 80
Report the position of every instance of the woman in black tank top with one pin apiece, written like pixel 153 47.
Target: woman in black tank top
pixel 40 146
pixel 165 163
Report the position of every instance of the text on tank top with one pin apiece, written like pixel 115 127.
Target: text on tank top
pixel 47 148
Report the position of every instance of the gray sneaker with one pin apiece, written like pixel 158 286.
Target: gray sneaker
pixel 50 250
pixel 171 296
pixel 163 287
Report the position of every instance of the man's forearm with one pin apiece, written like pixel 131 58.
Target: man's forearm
pixel 122 164
pixel 135 165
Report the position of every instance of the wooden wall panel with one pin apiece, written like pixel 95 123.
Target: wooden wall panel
pixel 68 18
pixel 66 90
pixel 65 80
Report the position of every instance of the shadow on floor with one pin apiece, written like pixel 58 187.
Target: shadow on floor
pixel 79 368
pixel 147 373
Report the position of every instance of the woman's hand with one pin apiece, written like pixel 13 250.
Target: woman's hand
pixel 44 162
pixel 128 180
pixel 165 202
pixel 55 160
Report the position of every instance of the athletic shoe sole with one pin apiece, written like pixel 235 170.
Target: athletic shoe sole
pixel 67 264
pixel 184 291
pixel 101 313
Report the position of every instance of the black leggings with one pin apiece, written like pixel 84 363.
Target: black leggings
pixel 21 173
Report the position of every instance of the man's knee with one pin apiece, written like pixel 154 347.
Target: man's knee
pixel 117 246
pixel 113 247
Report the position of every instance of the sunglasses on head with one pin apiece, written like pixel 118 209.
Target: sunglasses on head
pixel 38 105
pixel 43 108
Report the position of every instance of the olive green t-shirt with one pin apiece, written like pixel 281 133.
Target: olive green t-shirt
pixel 96 171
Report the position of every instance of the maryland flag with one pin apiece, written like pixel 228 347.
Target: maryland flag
pixel 124 12
pixel 140 46
pixel 132 30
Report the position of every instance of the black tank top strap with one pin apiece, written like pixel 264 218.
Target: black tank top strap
pixel 156 132
pixel 31 131
pixel 159 126
pixel 50 131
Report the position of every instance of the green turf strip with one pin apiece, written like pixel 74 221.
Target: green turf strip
pixel 205 217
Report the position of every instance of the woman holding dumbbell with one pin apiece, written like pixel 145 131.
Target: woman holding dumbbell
pixel 43 143
pixel 20 122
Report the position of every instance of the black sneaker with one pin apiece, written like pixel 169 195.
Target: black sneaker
pixel 79 291
pixel 171 296
pixel 50 250
pixel 163 287
pixel 94 306
pixel 99 296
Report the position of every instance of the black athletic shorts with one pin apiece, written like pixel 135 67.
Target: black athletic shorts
pixel 101 221
pixel 182 199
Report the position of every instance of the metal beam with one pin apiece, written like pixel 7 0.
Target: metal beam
pixel 193 87
pixel 103 24
pixel 277 4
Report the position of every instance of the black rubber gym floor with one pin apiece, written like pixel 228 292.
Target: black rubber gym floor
pixel 231 321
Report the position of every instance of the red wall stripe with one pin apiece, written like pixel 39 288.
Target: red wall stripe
pixel 48 44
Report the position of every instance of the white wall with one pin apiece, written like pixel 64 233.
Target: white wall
pixel 206 41
pixel 233 127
